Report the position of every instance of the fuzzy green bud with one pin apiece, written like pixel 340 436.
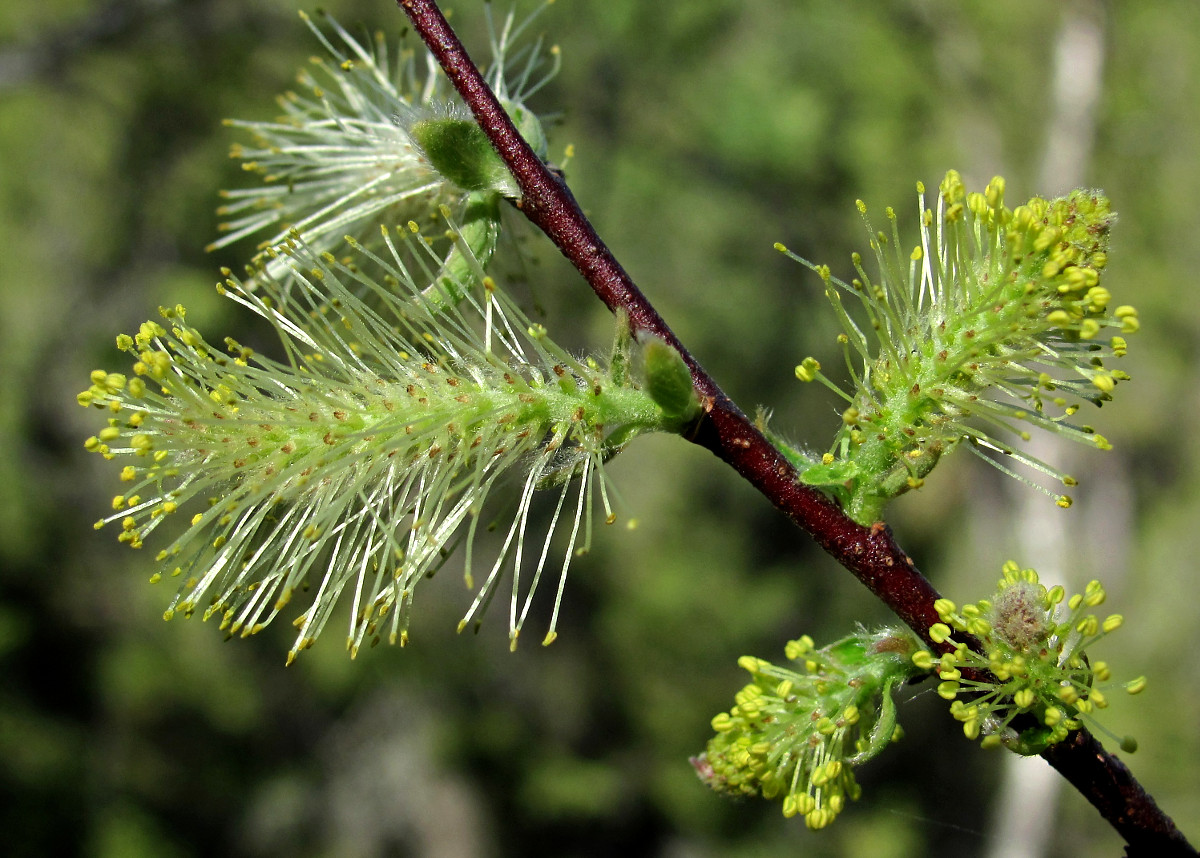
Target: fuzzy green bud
pixel 460 151
pixel 667 379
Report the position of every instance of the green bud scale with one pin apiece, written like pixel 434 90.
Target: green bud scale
pixel 460 151
pixel 667 379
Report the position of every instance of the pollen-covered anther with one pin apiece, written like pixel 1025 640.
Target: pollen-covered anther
pixel 808 368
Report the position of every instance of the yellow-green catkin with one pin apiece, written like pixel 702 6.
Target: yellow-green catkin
pixel 995 323
pixel 353 466
pixel 796 733
pixel 1036 655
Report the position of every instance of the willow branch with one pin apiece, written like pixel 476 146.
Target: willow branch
pixel 870 553
pixel 1112 789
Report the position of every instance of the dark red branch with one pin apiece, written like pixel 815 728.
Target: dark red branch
pixel 1111 788
pixel 870 553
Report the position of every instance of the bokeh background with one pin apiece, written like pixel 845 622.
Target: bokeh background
pixel 705 131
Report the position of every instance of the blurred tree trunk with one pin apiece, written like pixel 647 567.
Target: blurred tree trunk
pixel 1027 805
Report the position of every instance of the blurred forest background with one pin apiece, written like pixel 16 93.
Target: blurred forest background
pixel 705 131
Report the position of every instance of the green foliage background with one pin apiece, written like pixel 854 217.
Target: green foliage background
pixel 705 131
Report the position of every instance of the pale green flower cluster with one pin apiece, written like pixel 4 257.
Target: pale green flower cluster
pixel 995 322
pixel 352 464
pixel 343 156
pixel 797 734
